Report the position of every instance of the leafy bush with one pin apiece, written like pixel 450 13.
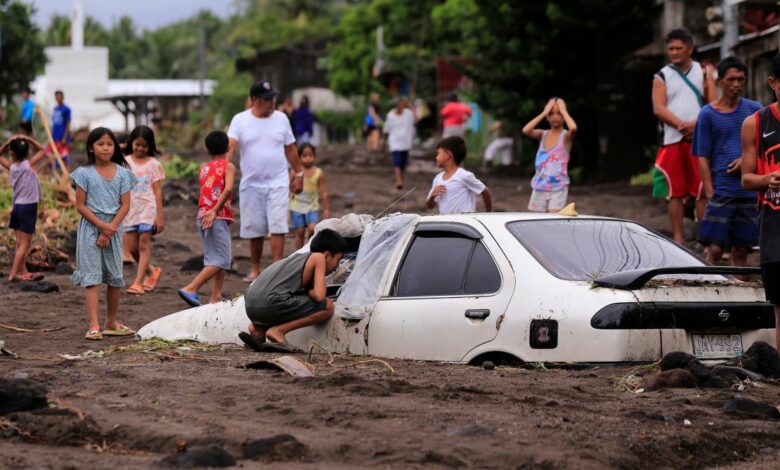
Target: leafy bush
pixel 179 168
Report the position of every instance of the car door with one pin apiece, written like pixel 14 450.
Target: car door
pixel 448 294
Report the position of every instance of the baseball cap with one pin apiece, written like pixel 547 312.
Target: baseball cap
pixel 262 89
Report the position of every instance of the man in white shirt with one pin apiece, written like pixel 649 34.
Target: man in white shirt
pixel 266 144
pixel 400 130
pixel 455 190
pixel 680 89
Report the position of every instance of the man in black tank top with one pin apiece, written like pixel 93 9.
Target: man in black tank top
pixel 761 172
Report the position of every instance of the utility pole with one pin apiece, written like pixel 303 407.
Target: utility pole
pixel 202 64
pixel 730 27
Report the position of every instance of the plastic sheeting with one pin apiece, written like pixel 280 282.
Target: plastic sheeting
pixel 379 242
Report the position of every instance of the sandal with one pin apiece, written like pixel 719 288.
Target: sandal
pixel 135 289
pixel 193 300
pixel 120 330
pixel 150 281
pixel 249 279
pixel 93 335
pixel 29 277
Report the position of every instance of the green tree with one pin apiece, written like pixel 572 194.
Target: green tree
pixel 410 45
pixel 21 48
pixel 519 54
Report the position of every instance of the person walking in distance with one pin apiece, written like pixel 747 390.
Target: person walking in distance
pixel 761 172
pixel 266 143
pixel 680 90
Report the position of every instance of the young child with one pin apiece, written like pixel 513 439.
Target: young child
pixel 213 220
pixel 551 182
pixel 27 193
pixel 305 206
pixel 146 207
pixel 455 190
pixel 127 258
pixel 291 294
pixel 103 200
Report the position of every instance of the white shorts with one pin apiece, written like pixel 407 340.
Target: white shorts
pixel 263 211
pixel 545 201
pixel 502 146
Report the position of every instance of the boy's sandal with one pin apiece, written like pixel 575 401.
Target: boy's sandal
pixel 120 330
pixel 193 300
pixel 150 281
pixel 93 335
pixel 251 342
pixel 135 289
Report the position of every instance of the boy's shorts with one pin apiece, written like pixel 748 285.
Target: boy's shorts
pixel 729 221
pixel 269 317
pixel 263 211
pixel 217 250
pixel 680 169
pixel 400 158
pixel 140 228
pixel 303 219
pixel 24 217
pixel 770 275
pixel 545 201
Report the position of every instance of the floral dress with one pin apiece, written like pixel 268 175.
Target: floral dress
pixel 95 265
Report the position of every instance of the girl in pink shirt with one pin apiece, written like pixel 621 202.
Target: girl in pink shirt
pixel 146 207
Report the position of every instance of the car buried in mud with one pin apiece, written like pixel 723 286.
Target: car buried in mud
pixel 520 286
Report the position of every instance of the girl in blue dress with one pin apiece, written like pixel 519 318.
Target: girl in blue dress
pixel 103 200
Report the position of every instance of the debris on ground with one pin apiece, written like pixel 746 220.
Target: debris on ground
pixel 748 408
pixel 207 456
pixel 288 364
pixel 21 395
pixel 281 447
pixel 42 287
pixel 673 378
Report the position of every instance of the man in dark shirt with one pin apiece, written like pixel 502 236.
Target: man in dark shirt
pixel 761 172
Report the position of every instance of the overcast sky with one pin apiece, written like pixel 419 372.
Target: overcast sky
pixel 147 14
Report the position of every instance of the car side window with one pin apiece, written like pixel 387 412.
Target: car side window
pixel 446 264
pixel 482 276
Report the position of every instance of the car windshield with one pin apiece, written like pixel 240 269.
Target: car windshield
pixel 586 249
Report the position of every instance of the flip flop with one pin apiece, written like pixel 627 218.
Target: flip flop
pixel 249 279
pixel 250 341
pixel 30 277
pixel 93 335
pixel 135 289
pixel 120 330
pixel 270 346
pixel 193 300
pixel 150 282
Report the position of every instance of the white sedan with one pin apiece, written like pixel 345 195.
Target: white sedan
pixel 521 286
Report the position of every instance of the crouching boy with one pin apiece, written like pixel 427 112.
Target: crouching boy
pixel 290 294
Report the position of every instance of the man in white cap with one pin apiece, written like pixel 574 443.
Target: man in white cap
pixel 266 145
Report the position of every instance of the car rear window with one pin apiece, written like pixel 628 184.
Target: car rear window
pixel 586 249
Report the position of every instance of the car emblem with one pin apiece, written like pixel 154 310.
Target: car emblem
pixel 543 334
pixel 724 315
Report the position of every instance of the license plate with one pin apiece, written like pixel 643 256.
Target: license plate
pixel 717 346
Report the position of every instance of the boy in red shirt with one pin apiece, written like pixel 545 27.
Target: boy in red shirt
pixel 455 115
pixel 213 220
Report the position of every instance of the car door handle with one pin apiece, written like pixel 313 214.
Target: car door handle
pixel 479 314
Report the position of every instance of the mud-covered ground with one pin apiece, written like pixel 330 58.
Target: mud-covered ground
pixel 132 406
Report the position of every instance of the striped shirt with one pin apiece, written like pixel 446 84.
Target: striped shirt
pixel 718 138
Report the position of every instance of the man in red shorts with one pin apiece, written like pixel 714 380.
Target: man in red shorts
pixel 680 89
